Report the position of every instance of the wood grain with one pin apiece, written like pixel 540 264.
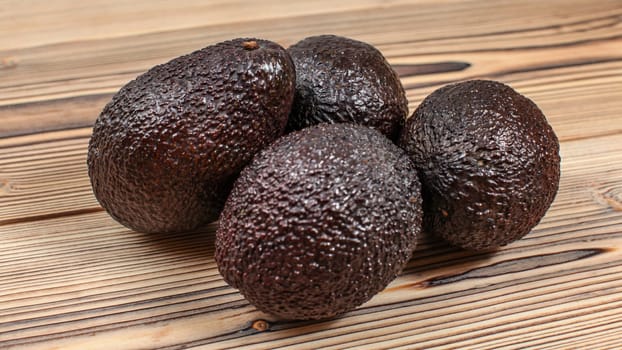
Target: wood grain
pixel 72 278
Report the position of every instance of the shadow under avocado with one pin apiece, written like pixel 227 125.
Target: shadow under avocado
pixel 192 244
pixel 433 253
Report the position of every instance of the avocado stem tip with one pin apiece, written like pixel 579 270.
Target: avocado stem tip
pixel 250 45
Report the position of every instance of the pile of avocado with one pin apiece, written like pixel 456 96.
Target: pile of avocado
pixel 319 182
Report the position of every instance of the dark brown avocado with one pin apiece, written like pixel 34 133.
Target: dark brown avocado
pixel 320 221
pixel 488 161
pixel 165 151
pixel 341 80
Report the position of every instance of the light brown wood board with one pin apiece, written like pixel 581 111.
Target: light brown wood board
pixel 72 278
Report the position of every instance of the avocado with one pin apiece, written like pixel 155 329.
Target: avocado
pixel 166 149
pixel 488 161
pixel 320 221
pixel 344 80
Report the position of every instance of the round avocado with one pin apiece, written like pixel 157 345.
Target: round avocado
pixel 341 80
pixel 320 221
pixel 166 149
pixel 488 161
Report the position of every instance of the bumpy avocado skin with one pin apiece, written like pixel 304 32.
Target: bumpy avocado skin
pixel 320 222
pixel 165 151
pixel 341 80
pixel 488 161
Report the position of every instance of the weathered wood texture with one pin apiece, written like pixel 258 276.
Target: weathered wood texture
pixel 72 278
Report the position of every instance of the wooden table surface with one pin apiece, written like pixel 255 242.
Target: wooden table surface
pixel 72 278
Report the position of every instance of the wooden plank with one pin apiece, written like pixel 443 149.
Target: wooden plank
pixel 22 22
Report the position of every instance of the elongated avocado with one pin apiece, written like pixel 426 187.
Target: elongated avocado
pixel 165 151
